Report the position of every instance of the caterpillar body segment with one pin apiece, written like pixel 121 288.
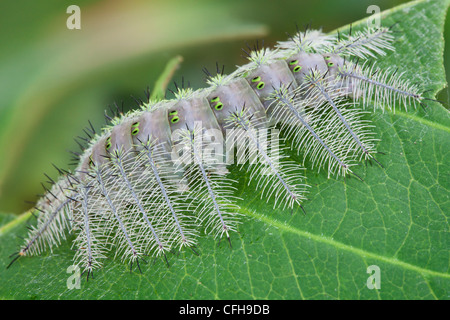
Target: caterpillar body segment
pixel 269 77
pixel 156 178
pixel 188 111
pixel 301 64
pixel 227 98
pixel 151 131
pixel 192 114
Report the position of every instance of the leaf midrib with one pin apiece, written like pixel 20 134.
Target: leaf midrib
pixel 339 245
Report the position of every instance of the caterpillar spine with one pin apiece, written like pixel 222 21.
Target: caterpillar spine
pixel 305 131
pixel 212 190
pixel 381 87
pixel 277 180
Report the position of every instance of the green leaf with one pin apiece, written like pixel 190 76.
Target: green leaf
pixel 397 219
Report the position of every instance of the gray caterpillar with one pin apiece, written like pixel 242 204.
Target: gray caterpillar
pixel 156 178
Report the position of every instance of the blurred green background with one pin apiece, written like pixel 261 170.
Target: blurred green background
pixel 52 80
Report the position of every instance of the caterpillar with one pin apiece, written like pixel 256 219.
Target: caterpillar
pixel 155 179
